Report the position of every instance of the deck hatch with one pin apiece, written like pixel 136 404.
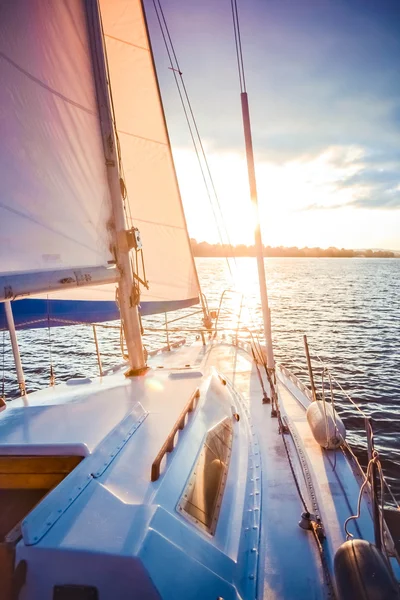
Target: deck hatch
pixel 202 498
pixel 24 481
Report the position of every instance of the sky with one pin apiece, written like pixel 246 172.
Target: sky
pixel 323 79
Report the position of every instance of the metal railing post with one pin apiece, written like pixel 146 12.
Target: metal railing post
pixel 166 329
pixel 15 347
pixel 310 371
pixel 97 351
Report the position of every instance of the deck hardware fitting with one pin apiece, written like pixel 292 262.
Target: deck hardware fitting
pixel 306 520
pixel 310 371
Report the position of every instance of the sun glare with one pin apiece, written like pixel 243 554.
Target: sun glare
pixel 303 202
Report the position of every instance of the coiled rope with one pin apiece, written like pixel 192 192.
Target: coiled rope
pixel 374 460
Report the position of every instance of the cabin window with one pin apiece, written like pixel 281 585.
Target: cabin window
pixel 202 498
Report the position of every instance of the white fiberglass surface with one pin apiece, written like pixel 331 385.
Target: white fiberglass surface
pixel 123 514
pixel 120 508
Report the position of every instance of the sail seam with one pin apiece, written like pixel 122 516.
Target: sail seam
pixel 141 137
pixel 45 86
pixel 160 224
pixel 112 37
pixel 34 219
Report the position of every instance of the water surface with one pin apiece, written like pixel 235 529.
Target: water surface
pixel 349 309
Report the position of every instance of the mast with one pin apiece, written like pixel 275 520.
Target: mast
pixel 266 313
pixel 15 348
pixel 128 296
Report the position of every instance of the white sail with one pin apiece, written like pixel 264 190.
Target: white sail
pixel 54 195
pixel 149 175
pixel 54 200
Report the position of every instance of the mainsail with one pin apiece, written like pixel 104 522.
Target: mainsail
pixel 54 205
pixel 54 196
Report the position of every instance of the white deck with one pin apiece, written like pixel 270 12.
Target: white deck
pixel 109 526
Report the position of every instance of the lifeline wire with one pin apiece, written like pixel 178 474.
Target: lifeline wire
pixel 4 372
pixel 238 44
pixel 345 443
pixel 52 377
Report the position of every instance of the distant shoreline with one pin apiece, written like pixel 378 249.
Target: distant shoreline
pixel 206 250
pixel 285 256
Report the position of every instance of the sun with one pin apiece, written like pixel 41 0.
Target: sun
pixel 302 202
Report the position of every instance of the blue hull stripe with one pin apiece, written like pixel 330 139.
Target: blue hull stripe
pixel 33 313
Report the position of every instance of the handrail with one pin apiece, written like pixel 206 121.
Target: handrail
pixel 96 341
pixel 168 445
pixel 184 316
pixel 166 330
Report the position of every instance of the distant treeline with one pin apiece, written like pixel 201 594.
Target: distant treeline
pixel 206 249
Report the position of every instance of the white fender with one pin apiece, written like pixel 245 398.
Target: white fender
pixel 327 428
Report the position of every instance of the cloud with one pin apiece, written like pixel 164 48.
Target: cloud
pixel 374 178
pixel 320 76
pixel 352 177
pixel 389 199
pixel 370 189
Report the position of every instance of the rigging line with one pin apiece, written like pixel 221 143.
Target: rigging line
pixel 52 377
pixel 193 117
pixel 2 395
pixel 159 11
pixel 236 46
pixel 238 42
pixel 346 444
pixel 357 515
pixel 296 482
pixel 186 116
